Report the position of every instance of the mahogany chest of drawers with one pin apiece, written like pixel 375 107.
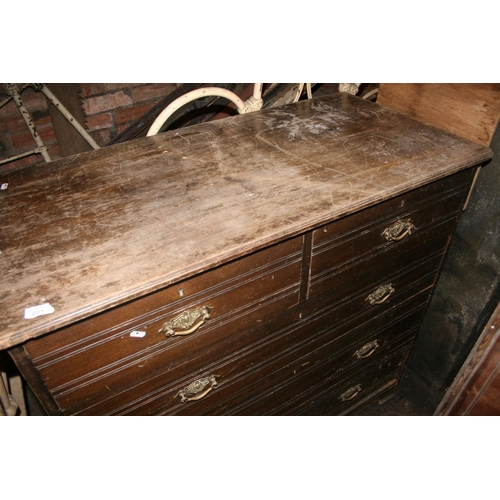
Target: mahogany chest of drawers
pixel 275 263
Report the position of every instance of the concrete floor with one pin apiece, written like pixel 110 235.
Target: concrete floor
pixel 412 398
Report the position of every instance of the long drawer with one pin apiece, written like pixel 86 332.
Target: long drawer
pixel 122 351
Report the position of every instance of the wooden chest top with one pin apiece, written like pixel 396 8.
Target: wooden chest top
pixel 88 232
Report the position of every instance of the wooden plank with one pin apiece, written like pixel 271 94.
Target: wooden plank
pixel 90 231
pixel 29 372
pixel 475 388
pixel 470 110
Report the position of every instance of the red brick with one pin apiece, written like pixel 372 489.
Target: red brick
pixel 96 122
pixel 128 115
pixel 96 105
pixel 91 89
pixel 8 109
pixel 17 124
pixel 122 127
pixel 24 140
pixel 14 123
pixel 34 110
pixel 43 120
pixel 155 91
pixel 54 151
pixel 47 132
pixel 102 136
pixel 119 86
pixel 34 101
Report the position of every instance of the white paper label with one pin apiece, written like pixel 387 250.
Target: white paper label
pixel 136 333
pixel 35 311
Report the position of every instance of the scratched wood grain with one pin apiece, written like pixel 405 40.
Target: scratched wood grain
pixel 91 231
pixel 472 109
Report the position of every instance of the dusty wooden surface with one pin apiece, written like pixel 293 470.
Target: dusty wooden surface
pixel 88 232
pixel 472 110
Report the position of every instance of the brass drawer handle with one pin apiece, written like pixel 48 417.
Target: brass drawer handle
pixel 398 230
pixel 198 389
pixel 187 322
pixel 367 350
pixel 351 393
pixel 380 295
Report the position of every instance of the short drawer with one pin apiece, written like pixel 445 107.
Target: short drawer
pixel 377 290
pixel 98 360
pixel 354 246
pixel 443 195
pixel 342 278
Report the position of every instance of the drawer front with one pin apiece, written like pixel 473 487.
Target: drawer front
pixel 343 281
pixel 301 373
pixel 354 247
pixel 98 360
pixel 344 398
pixel 398 207
pixel 257 382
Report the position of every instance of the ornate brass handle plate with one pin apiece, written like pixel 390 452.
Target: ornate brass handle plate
pixel 198 389
pixel 367 350
pixel 398 230
pixel 351 393
pixel 187 322
pixel 380 295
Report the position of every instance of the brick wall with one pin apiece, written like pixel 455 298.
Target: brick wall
pixel 108 109
pixel 15 137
